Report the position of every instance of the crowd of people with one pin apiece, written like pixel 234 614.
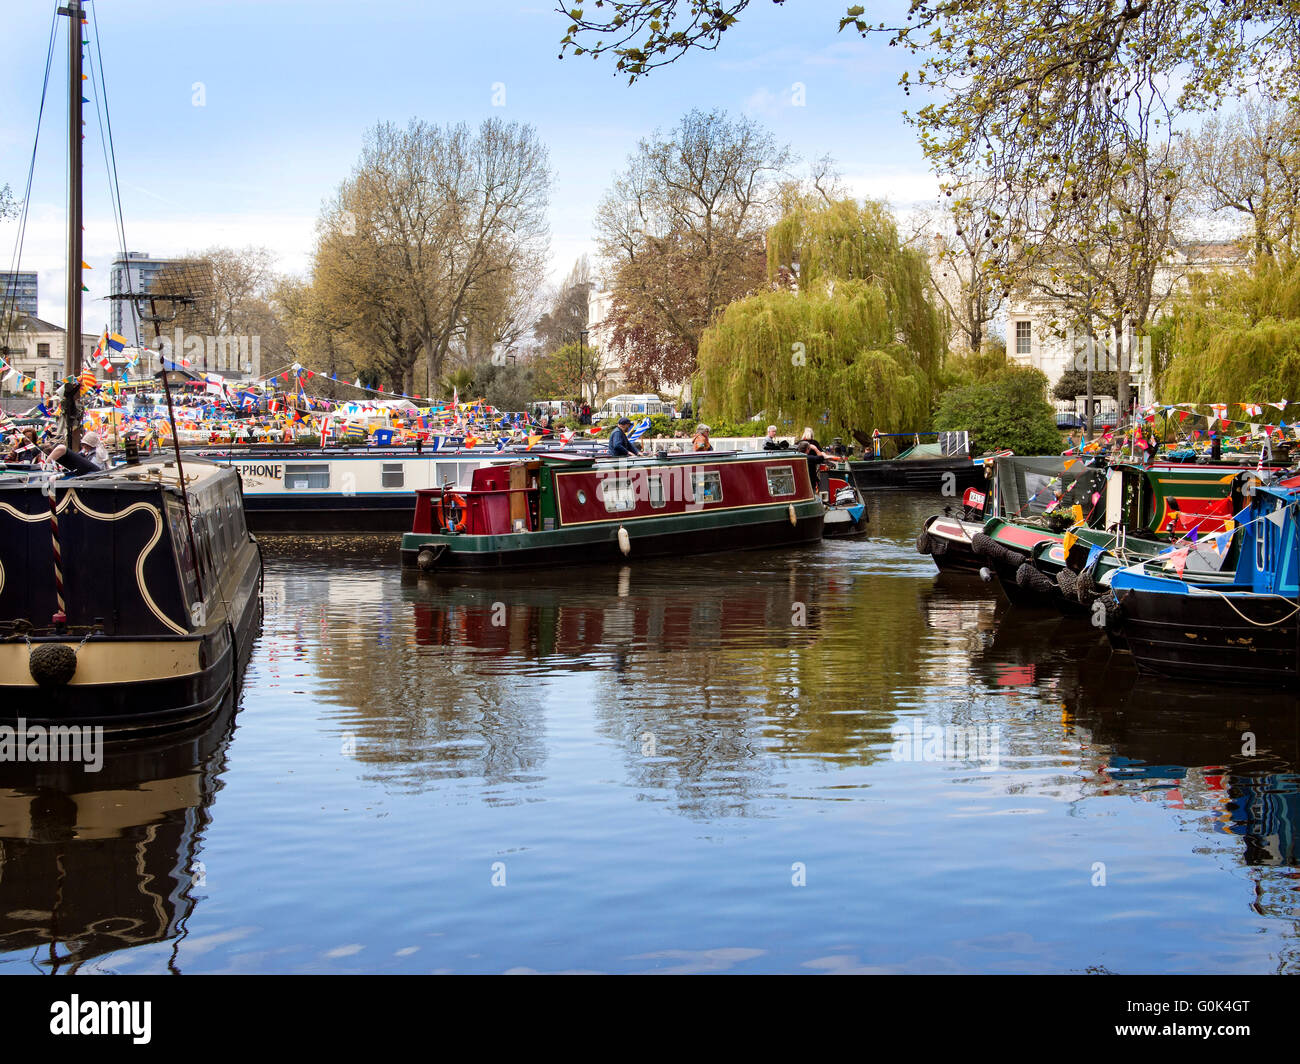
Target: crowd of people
pixel 44 451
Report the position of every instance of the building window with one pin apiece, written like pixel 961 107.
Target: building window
pixel 1024 341
pixel 392 475
pixel 42 350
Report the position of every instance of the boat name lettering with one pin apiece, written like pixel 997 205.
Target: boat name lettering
pixel 274 472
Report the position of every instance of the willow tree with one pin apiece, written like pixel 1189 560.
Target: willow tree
pixel 1234 337
pixel 847 337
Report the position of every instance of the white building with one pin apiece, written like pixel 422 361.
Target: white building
pixel 35 349
pixel 1038 333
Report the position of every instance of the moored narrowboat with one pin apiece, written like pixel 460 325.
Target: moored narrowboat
pixel 560 509
pixel 121 605
pixel 1236 623
pixel 347 490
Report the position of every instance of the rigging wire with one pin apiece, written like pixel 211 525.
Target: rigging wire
pixel 21 236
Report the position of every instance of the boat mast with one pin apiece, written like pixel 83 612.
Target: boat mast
pixel 72 337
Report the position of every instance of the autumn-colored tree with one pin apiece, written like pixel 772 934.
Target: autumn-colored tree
pixel 430 240
pixel 681 233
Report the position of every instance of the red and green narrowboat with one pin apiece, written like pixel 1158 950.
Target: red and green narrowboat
pixel 561 509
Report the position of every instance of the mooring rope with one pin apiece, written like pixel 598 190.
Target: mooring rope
pixel 1257 624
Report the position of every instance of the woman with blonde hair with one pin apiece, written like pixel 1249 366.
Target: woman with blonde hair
pixel 811 449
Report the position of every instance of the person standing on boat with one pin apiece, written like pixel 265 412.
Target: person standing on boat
pixel 772 443
pixel 700 441
pixel 811 449
pixel 619 444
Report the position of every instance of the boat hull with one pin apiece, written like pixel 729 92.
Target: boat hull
pixel 763 528
pixel 918 474
pixel 947 540
pixel 358 515
pixel 1200 636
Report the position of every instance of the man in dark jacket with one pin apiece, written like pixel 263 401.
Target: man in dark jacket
pixel 619 444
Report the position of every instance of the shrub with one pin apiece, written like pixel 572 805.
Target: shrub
pixel 1006 411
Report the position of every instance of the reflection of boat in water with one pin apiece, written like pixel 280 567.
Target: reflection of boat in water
pixel 531 615
pixel 94 862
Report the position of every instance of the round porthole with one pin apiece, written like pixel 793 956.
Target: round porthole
pixel 582 496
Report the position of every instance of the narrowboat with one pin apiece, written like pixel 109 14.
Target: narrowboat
pixel 1180 616
pixel 1143 510
pixel 561 508
pixel 349 490
pixel 120 604
pixel 942 465
pixel 1027 500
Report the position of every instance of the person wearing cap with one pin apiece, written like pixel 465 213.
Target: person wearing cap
pixel 93 449
pixel 619 444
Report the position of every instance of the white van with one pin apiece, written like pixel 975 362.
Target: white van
pixel 633 406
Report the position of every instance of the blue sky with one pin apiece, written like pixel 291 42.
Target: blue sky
pixel 289 88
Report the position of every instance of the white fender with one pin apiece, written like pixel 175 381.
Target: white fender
pixel 793 519
pixel 624 541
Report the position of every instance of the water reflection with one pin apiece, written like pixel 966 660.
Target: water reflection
pixel 96 862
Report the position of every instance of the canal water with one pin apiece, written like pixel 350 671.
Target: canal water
pixel 829 760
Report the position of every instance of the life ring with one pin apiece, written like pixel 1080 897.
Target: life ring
pixel 457 506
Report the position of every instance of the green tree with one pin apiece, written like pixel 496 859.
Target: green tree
pixel 1074 382
pixel 1234 337
pixel 1008 411
pixel 855 342
pixel 506 386
pixel 568 373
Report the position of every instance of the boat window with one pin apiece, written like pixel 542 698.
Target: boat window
pixel 313 477
pixel 618 494
pixel 780 480
pixel 706 487
pixel 655 491
pixel 392 475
